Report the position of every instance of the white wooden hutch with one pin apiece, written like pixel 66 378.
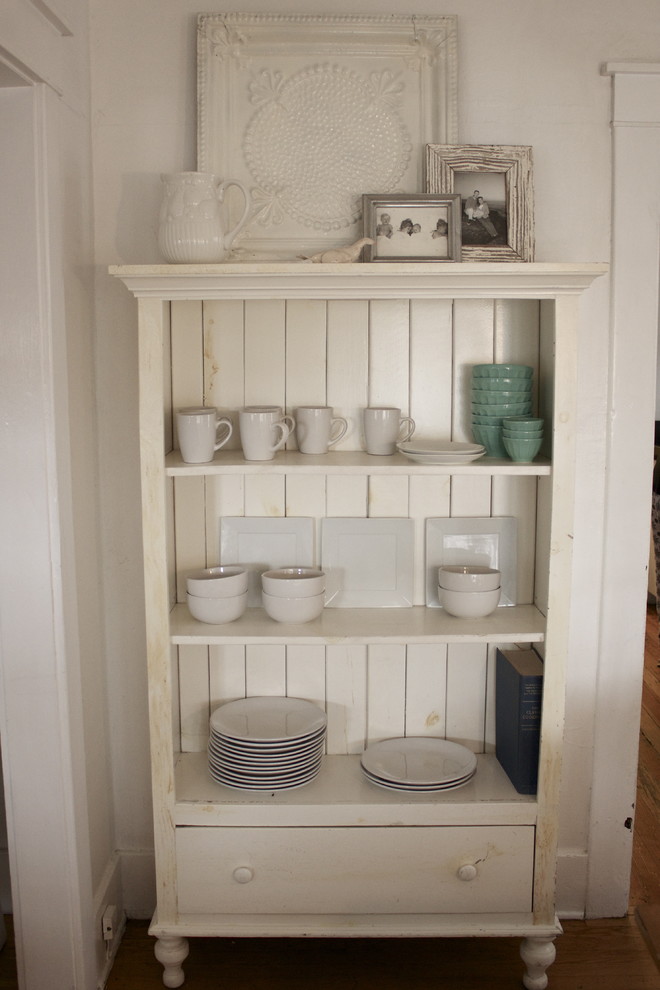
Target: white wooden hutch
pixel 341 857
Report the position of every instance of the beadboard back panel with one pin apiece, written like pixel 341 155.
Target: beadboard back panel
pixel 348 354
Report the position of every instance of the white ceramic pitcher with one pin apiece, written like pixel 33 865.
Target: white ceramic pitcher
pixel 191 228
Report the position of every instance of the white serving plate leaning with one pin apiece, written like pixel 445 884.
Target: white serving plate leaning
pixel 368 562
pixel 419 761
pixel 441 452
pixel 491 542
pixel 264 544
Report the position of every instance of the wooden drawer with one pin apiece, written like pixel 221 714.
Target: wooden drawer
pixel 354 870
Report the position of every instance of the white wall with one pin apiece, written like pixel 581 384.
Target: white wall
pixel 528 74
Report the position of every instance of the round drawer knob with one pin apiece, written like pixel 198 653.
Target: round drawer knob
pixel 243 874
pixel 467 872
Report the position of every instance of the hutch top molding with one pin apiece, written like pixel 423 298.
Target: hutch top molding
pixel 358 281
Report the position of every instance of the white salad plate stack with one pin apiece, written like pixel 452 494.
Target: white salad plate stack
pixel 441 451
pixel 418 764
pixel 266 744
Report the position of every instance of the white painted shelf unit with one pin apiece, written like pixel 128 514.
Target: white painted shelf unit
pixel 340 857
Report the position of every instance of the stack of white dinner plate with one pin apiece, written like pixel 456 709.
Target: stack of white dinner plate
pixel 441 451
pixel 418 764
pixel 266 744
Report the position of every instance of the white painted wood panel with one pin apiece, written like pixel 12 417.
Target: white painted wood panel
pixel 189 528
pixel 431 367
pixel 226 674
pixel 389 354
pixel 346 686
pixel 265 670
pixel 305 673
pixel 388 496
pixel 386 695
pixel 265 495
pixel 517 497
pixel 306 370
pixel 466 692
pixel 348 365
pixel 347 495
pixel 426 689
pixel 187 354
pixel 224 370
pixel 264 353
pixel 194 697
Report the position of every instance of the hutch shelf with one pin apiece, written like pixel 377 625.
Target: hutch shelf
pixel 340 857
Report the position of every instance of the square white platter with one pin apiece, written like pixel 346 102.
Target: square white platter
pixel 368 562
pixel 490 542
pixel 265 543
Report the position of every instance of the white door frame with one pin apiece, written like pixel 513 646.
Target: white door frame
pixel 633 345
pixel 40 704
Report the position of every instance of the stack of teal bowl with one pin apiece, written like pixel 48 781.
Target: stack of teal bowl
pixel 522 437
pixel 499 391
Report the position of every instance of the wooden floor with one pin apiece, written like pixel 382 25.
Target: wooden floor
pixel 611 954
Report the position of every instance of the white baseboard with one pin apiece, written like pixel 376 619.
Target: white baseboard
pixel 572 884
pixel 108 892
pixel 138 879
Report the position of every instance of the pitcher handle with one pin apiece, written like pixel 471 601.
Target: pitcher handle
pixel 229 237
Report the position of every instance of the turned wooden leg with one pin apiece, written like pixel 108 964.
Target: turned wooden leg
pixel 537 953
pixel 171 952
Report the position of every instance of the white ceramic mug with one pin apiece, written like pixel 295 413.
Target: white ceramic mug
pixel 317 429
pixel 384 427
pixel 264 429
pixel 198 429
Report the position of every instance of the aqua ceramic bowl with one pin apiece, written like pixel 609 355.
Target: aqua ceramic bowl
pixel 522 434
pixel 491 438
pixel 522 451
pixel 502 371
pixel 478 420
pixel 503 409
pixel 485 396
pixel 502 384
pixel 523 423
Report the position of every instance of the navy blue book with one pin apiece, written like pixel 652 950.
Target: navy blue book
pixel 518 695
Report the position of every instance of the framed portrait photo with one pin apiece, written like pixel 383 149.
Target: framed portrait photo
pixel 494 183
pixel 424 227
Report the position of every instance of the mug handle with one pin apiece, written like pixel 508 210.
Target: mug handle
pixel 284 430
pixel 407 426
pixel 339 425
pixel 229 237
pixel 230 429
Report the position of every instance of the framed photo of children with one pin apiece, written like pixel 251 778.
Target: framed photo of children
pixel 495 186
pixel 420 227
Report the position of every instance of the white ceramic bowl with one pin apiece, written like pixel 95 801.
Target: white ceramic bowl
pixel 468 577
pixel 217 610
pixel 293 609
pixel 293 582
pixel 224 581
pixel 469 604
